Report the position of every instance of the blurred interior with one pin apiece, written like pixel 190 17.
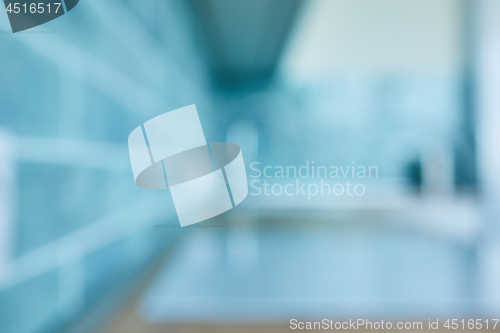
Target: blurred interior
pixel 411 87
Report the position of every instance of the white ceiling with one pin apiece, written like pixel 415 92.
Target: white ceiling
pixel 389 36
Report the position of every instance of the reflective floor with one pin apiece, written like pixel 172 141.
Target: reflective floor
pixel 266 273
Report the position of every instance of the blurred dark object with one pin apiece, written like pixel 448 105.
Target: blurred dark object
pixel 414 173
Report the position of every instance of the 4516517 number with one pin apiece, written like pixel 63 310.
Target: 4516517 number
pixel 33 8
